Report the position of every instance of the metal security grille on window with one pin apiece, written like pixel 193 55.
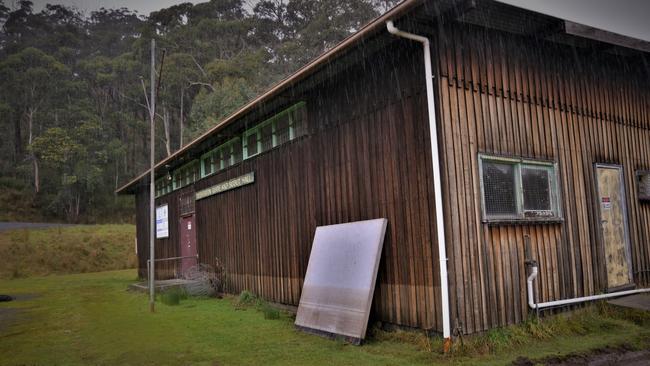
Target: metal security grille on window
pixel 186 203
pixel 535 183
pixel 499 189
pixel 519 189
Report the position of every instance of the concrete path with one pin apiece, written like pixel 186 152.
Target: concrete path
pixel 28 225
pixel 638 301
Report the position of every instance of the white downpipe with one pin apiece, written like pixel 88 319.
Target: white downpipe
pixel 440 223
pixel 533 305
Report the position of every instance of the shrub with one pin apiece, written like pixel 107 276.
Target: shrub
pixel 270 312
pixel 246 298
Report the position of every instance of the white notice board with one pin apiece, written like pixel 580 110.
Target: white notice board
pixel 162 222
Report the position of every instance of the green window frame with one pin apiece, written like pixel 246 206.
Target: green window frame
pixel 222 157
pixel 186 175
pixel 163 186
pixel 518 189
pixel 294 117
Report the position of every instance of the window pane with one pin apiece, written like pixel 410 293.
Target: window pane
pixel 282 129
pixel 251 143
pixel 177 179
pixel 225 156
pixel 499 189
pixel 237 151
pixel 267 137
pixel 207 164
pixel 299 118
pixel 537 193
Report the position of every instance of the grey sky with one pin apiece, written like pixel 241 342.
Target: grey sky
pixel 626 17
pixel 144 7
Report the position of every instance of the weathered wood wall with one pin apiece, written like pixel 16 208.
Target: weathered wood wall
pixel 509 95
pixel 366 155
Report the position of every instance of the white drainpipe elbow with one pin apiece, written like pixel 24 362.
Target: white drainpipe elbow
pixel 531 294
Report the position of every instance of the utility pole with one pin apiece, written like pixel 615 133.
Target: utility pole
pixel 152 184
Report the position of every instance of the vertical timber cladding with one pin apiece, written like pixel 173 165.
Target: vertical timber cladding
pixel 366 155
pixel 507 95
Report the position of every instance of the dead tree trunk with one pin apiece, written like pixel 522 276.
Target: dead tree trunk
pixel 30 124
pixel 180 123
pixel 166 122
pixel 18 138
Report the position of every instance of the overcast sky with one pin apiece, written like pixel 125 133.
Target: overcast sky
pixel 627 17
pixel 144 7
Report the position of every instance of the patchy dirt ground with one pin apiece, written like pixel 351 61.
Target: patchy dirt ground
pixel 620 355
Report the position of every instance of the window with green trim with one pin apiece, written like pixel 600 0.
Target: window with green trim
pixel 222 157
pixel 518 189
pixel 186 175
pixel 163 186
pixel 275 131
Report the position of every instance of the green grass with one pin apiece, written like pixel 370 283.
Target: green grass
pixel 77 249
pixel 89 318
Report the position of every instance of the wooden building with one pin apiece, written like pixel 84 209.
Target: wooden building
pixel 544 138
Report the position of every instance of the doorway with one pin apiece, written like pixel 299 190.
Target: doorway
pixel 187 231
pixel 614 226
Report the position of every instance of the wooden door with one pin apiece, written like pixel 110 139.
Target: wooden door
pixel 188 242
pixel 613 219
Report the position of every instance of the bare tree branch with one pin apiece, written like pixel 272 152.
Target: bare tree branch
pixel 198 65
pixel 192 83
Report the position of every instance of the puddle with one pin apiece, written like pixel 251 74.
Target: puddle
pixel 8 316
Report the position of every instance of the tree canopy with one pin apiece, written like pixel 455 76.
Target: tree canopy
pixel 73 113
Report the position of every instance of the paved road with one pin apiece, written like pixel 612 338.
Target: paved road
pixel 28 225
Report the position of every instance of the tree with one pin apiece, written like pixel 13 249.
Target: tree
pixel 30 77
pixel 210 107
pixel 71 104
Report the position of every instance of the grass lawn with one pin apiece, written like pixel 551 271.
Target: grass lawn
pixel 90 318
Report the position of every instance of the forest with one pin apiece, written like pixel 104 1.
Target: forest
pixel 73 114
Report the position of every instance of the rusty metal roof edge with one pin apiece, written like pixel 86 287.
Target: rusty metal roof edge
pixel 301 73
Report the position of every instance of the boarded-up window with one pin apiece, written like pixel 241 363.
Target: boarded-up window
pixel 518 189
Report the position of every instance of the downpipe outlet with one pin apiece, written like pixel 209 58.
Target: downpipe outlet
pixel 550 304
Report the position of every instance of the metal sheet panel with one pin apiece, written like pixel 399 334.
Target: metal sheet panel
pixel 340 280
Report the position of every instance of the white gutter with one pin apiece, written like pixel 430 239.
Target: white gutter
pixel 538 306
pixel 440 223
